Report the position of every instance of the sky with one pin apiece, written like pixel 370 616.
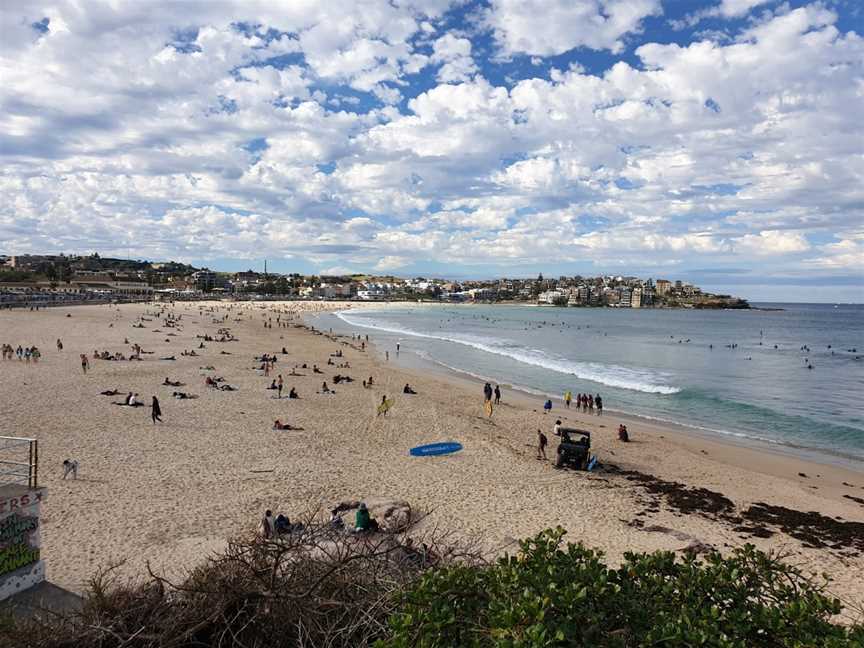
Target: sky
pixel 716 141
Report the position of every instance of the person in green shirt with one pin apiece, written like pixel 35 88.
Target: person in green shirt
pixel 363 521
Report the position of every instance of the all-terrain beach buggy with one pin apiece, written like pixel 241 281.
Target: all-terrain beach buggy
pixel 574 449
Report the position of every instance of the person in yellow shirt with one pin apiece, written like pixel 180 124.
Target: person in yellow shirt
pixel 568 396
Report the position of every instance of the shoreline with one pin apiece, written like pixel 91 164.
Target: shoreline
pixel 732 438
pixel 172 493
pixel 681 428
pixel 763 460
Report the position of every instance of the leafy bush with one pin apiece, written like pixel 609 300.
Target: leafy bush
pixel 315 587
pixel 556 594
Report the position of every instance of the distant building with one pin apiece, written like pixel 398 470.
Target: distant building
pixel 31 261
pixel 372 294
pixel 636 298
pixel 663 287
pixel 207 280
pixel 624 297
pixel 549 296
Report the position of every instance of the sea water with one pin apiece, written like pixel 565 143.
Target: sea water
pixel 737 373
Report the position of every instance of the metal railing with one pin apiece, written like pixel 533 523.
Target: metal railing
pixel 14 471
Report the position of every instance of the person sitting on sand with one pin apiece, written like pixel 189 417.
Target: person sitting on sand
pixel 407 389
pixel 272 385
pixel 364 522
pixel 547 406
pixel 370 382
pixel 324 388
pixel 315 369
pixel 209 382
pixel 293 393
pixel 623 435
pixel 282 524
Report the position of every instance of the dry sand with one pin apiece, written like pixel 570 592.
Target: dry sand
pixel 173 492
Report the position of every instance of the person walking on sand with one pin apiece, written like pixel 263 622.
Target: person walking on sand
pixel 84 363
pixel 541 445
pixel 598 403
pixel 384 406
pixel 568 397
pixel 59 345
pixel 279 385
pixel 156 411
pixel 497 394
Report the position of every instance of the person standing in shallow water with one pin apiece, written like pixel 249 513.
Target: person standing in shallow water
pixel 156 411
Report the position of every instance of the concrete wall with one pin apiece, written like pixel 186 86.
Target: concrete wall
pixel 21 565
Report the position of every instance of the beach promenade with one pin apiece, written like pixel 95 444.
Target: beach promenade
pixel 171 492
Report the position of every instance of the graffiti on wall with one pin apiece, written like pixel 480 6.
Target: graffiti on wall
pixel 16 549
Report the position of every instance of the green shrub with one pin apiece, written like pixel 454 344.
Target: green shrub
pixel 557 594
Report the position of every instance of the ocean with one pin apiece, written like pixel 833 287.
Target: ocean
pixel 739 374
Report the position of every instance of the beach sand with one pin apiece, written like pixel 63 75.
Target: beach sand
pixel 171 493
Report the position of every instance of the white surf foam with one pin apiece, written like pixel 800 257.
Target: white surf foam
pixel 609 375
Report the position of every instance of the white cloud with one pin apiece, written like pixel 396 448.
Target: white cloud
pixel 737 8
pixel 770 242
pixel 392 262
pixel 202 145
pixel 551 27
pixel 455 55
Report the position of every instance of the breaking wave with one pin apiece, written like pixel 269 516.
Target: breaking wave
pixel 610 375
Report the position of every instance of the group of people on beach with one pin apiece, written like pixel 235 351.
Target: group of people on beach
pixel 272 527
pixel 23 354
pixel 587 402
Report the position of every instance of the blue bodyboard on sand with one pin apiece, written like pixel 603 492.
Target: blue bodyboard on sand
pixel 433 449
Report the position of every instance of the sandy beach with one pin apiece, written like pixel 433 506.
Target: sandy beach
pixel 170 493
